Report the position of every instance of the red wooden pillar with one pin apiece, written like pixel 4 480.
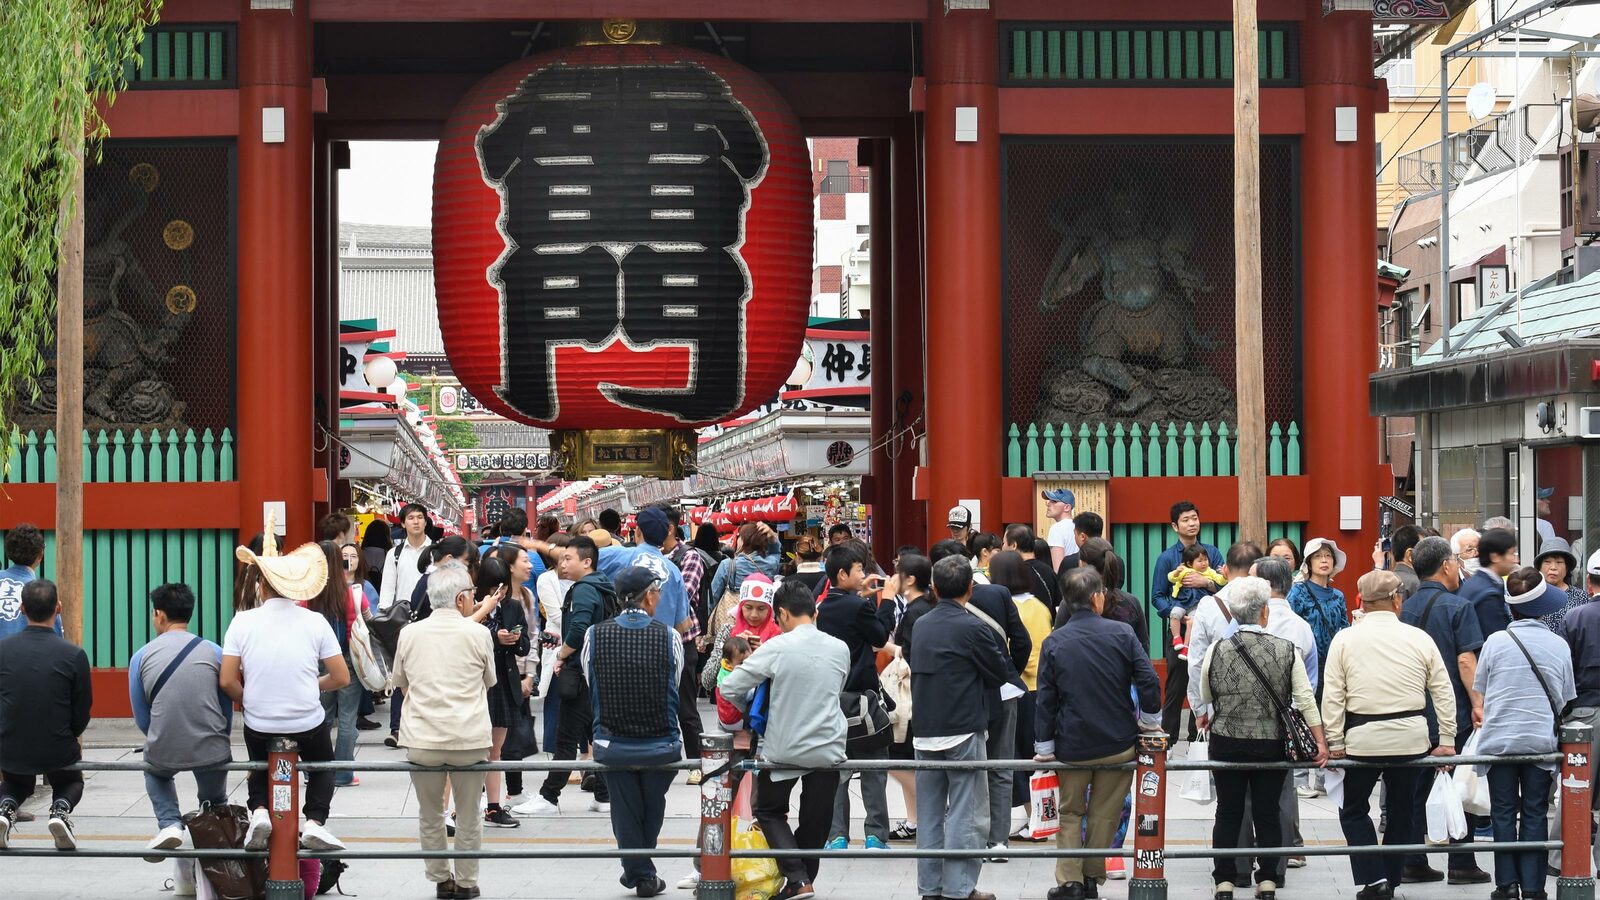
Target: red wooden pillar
pixel 276 230
pixel 962 184
pixel 1339 283
pixel 885 526
pixel 910 515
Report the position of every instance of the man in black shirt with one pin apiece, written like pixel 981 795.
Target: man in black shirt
pixel 864 627
pixel 45 696
pixel 1020 539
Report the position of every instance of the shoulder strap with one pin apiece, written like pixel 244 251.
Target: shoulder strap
pixel 972 608
pixel 1222 606
pixel 1549 696
pixel 398 546
pixel 1428 610
pixel 173 667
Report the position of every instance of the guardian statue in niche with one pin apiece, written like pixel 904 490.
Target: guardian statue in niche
pixel 1136 338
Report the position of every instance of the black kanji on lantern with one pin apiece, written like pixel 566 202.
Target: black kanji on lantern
pixel 623 191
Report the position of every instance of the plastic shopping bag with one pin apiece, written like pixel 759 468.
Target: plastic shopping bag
pixel 1044 789
pixel 753 879
pixel 1197 785
pixel 1333 786
pixel 1471 784
pixel 1446 820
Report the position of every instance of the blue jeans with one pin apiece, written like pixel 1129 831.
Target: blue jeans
pixel 638 807
pixel 397 698
pixel 211 785
pixel 953 814
pixel 342 707
pixel 1519 797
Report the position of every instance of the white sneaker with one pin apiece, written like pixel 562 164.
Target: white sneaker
pixel 255 839
pixel 511 802
pixel 60 826
pixel 6 823
pixel 537 805
pixel 597 806
pixel 690 881
pixel 1306 793
pixel 316 837
pixel 168 838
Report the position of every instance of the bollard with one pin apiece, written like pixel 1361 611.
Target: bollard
pixel 1149 820
pixel 716 818
pixel 1576 787
pixel 283 804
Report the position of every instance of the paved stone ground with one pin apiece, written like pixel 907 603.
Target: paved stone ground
pixel 380 814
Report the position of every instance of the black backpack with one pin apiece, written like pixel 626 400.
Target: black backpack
pixel 867 726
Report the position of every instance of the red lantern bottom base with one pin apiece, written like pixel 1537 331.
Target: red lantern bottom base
pixel 658 452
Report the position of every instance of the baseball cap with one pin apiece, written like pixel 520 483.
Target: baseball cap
pixel 1545 493
pixel 601 537
pixel 960 517
pixel 653 525
pixel 1594 563
pixel 634 581
pixel 1061 495
pixel 1378 585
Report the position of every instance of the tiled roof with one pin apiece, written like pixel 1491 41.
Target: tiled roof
pixel 365 235
pixel 398 292
pixel 1554 313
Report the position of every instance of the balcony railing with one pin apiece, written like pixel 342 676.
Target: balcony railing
pixel 845 184
pixel 1494 145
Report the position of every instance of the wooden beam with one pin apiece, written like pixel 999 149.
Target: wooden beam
pixel 1250 396
pixel 69 400
pixel 842 11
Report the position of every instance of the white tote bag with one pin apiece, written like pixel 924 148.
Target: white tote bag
pixel 1446 820
pixel 1471 784
pixel 1197 785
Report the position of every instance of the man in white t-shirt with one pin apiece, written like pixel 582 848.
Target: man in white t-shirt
pixel 270 659
pixel 400 570
pixel 1062 538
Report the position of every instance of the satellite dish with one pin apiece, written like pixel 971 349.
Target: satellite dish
pixel 1481 100
pixel 1586 109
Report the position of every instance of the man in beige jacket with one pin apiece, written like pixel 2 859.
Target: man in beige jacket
pixel 445 663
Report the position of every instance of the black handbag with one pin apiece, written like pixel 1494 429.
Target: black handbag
pixel 867 726
pixel 1299 744
pixel 569 681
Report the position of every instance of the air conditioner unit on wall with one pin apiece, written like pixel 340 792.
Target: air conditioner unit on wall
pixel 1589 422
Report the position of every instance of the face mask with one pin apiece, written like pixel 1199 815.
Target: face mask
pixel 1470 566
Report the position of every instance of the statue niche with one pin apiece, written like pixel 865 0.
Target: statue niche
pixel 123 355
pixel 1137 338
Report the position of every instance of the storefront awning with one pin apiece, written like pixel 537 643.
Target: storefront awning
pixel 385 450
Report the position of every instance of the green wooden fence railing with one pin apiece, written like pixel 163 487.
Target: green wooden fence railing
pixel 1140 543
pixel 126 456
pixel 1175 448
pixel 121 568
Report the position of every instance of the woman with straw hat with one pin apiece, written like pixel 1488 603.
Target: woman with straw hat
pixel 270 666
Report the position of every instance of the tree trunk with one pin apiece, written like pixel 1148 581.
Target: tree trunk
pixel 1250 391
pixel 69 405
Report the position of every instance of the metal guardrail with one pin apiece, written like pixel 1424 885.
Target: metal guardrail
pixel 713 845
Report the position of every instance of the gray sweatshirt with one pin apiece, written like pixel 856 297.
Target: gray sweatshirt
pixel 805 726
pixel 189 725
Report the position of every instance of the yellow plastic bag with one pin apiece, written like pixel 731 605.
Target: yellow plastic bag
pixel 753 879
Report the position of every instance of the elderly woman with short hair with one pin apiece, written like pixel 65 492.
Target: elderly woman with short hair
pixel 1235 680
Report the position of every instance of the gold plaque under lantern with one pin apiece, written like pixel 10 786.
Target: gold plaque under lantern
pixel 619 31
pixel 178 235
pixel 656 452
pixel 181 300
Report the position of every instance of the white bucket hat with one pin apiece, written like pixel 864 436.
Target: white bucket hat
pixel 1317 543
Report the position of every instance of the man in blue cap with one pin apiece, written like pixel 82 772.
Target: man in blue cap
pixel 1541 511
pixel 673 610
pixel 1063 541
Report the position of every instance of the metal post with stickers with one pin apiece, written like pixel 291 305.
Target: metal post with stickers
pixel 1149 816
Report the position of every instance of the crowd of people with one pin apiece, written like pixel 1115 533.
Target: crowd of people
pixel 984 646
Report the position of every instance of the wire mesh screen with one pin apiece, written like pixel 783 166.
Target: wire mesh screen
pixel 158 291
pixel 1119 281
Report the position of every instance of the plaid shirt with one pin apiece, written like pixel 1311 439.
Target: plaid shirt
pixel 693 568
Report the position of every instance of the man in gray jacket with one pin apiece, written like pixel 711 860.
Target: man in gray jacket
pixel 805 727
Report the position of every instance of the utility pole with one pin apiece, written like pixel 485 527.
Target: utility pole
pixel 1249 390
pixel 69 400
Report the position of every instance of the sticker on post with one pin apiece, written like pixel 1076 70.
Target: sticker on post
pixel 1149 824
pixel 1149 859
pixel 1146 760
pixel 1574 783
pixel 283 772
pixel 1577 760
pixel 1149 784
pixel 280 798
pixel 711 839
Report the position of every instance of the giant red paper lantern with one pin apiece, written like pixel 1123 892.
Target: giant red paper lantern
pixel 622 239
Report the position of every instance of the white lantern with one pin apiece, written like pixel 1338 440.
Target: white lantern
pixel 398 387
pixel 381 372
